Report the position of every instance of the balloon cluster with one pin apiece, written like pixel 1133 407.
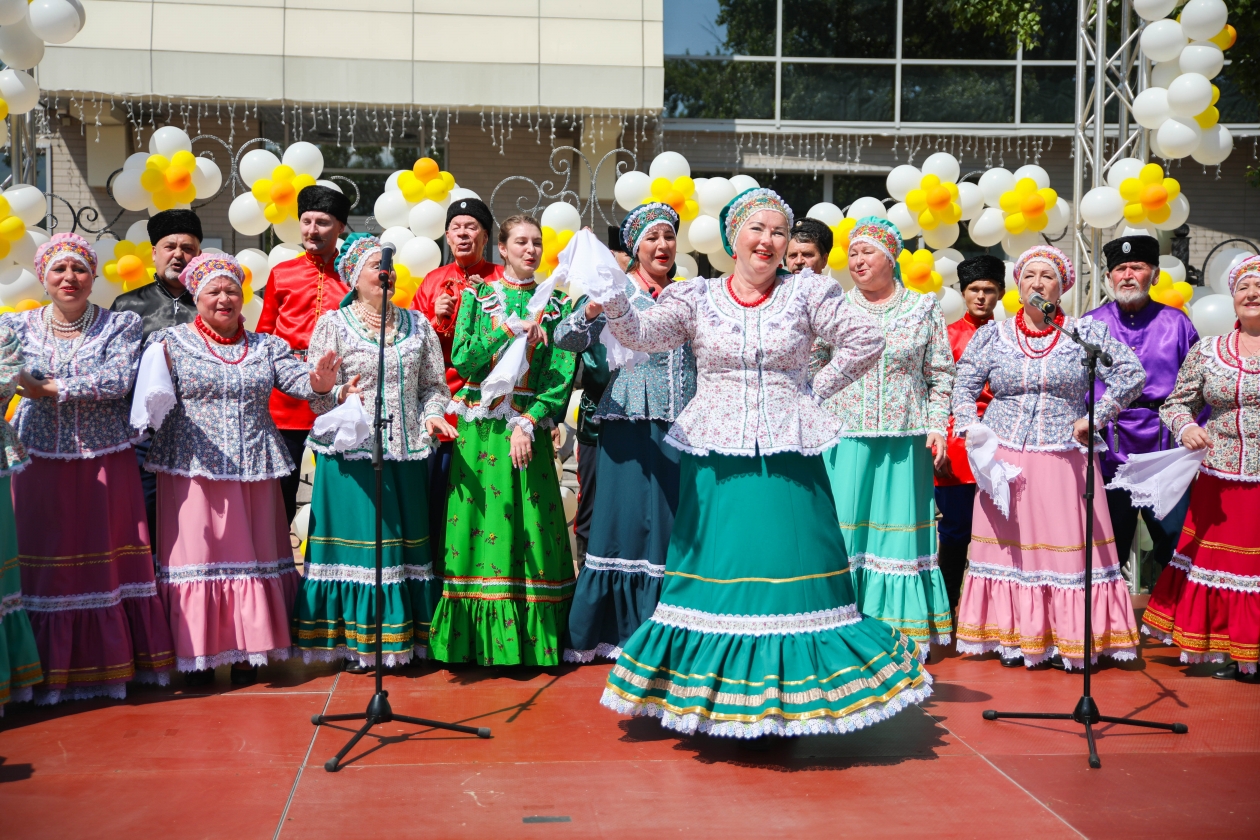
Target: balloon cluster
pixel 1019 208
pixel 930 201
pixel 1179 107
pixel 168 176
pixel 130 265
pixel 1026 207
pixel 1139 193
pixel 559 222
pixel 678 194
pixel 424 180
pixel 918 271
pixel 274 184
pixel 25 26
pixel 842 223
pixel 1213 314
pixel 412 209
pixel 22 207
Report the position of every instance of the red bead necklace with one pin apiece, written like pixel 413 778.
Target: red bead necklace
pixel 764 297
pixel 1022 329
pixel 208 335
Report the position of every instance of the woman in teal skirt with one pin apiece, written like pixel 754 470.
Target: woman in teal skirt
pixel 757 631
pixel 335 616
pixel 893 421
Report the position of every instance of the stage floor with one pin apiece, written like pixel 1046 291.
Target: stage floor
pixel 247 763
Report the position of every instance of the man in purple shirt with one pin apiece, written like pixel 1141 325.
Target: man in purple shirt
pixel 1161 337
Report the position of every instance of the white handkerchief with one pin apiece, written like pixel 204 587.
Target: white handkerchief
pixel 1158 480
pixel 349 421
pixel 993 475
pixel 514 364
pixel 588 267
pixel 155 391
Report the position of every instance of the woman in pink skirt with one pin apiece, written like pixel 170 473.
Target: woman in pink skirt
pixel 83 539
pixel 225 566
pixel 1024 594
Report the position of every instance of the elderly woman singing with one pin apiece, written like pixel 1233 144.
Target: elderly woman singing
pixel 83 537
pixel 225 566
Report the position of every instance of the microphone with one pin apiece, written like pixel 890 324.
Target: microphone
pixel 1035 300
pixel 387 258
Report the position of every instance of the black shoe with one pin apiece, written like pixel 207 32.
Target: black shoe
pixel 1056 662
pixel 1229 672
pixel 242 676
pixel 196 679
pixel 1013 662
pixel 353 666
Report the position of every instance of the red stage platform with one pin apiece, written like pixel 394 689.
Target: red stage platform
pixel 247 763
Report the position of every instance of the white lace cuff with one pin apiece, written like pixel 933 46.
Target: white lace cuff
pixel 517 324
pixel 523 423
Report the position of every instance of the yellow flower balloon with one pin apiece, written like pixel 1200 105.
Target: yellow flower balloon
pixel 131 266
pixel 1146 197
pixel 554 242
pixel 918 272
pixel 934 202
pixel 1026 206
pixel 279 194
pixel 169 180
pixel 679 194
pixel 424 180
pixel 1011 302
pixel 838 259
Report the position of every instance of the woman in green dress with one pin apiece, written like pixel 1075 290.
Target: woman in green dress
pixel 336 616
pixel 509 569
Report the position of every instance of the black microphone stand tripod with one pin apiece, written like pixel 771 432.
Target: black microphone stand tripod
pixel 378 709
pixel 1086 711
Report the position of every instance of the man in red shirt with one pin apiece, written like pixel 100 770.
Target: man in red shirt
pixel 298 292
pixel 982 281
pixel 468 226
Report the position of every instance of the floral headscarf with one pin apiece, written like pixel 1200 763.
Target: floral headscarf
pixel 355 250
pixel 1052 257
pixel 642 219
pixel 1249 267
pixel 205 267
pixel 64 245
pixel 881 233
pixel 743 207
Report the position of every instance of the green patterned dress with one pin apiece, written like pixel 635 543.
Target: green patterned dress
pixel 509 569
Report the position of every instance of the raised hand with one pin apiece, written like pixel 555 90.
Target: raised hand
pixel 324 374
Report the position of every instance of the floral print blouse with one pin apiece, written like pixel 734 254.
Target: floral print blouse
pixel 482 335
pixel 221 426
pixel 13 455
pixel 753 393
pixel 1215 375
pixel 907 392
pixel 415 379
pixel 1037 401
pixel 657 389
pixel 90 416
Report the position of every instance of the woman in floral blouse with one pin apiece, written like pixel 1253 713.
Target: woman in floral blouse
pixel 509 569
pixel 620 582
pixel 757 632
pixel 892 431
pixel 225 565
pixel 83 537
pixel 1025 590
pixel 336 613
pixel 1207 601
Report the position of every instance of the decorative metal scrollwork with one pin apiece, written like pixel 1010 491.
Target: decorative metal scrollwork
pixel 549 191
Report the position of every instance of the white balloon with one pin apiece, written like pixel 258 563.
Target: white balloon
pixel 1189 94
pixel 22 251
pixel 206 178
pixel 56 21
pixel 259 267
pixel 397 236
pixel 1164 72
pixel 953 307
pixel 683 238
pixel 104 248
pixel 257 163
pixel 130 195
pixel 560 215
pixel 1202 57
pixel 391 210
pixel 136 161
pixel 947 260
pixel 1032 170
pixel 943 165
pixel 421 255
pixel 687 266
pixel 18 283
pixel 304 158
pixel 245 214
pixel 1180 207
pixel 19 90
pixel 827 213
pixel 867 206
pixel 902 180
pixel 27 203
pixel 168 140
pixel 1217 273
pixel 289 231
pixel 721 261
pixel 1215 145
pixel 252 311
pixel 632 189
pixel 391 183
pixel 742 183
pixel 988 228
pixel 995 182
pixel 1213 315
pixel 78 7
pixel 714 194
pixel 426 219
pixel 941 236
pixel 1102 207
pixel 459 194
pixel 1122 170
pixel 899 214
pixel 971 199
pixel 1057 218
pixel 1176 268
pixel 1202 19
pixel 20 48
pixel 1179 136
pixel 281 253
pixel 104 292
pixel 1151 10
pixel 332 185
pixel 669 165
pixel 11 11
pixel 1150 107
pixel 1163 40
pixel 138 232
pixel 1015 245
pixel 705 234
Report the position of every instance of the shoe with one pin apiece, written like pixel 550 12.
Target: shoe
pixel 241 676
pixel 1013 662
pixel 1056 662
pixel 1229 672
pixel 353 666
pixel 196 679
pixel 1251 679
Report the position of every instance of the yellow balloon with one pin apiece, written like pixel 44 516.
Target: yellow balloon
pixel 4 248
pixel 684 185
pixel 1011 302
pixel 262 190
pixel 12 228
pixel 184 160
pixel 5 209
pixel 152 179
pixel 436 190
pixel 4 108
pixel 274 213
pixel 1208 118
pixel 158 162
pixel 283 172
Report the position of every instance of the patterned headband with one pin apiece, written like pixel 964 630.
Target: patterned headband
pixel 743 207
pixel 881 233
pixel 205 267
pixel 642 219
pixel 1249 267
pixel 354 253
pixel 1052 257
pixel 63 246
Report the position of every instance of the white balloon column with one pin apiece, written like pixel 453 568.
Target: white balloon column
pixel 26 25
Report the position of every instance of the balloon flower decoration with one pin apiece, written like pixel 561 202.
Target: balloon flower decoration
pixel 169 176
pixel 918 271
pixel 425 180
pixel 130 265
pixel 1026 206
pixel 18 95
pixel 930 201
pixel 274 184
pixel 21 208
pixel 679 194
pixel 1147 196
pixel 417 199
pixel 1170 293
pixel 838 259
pixel 1021 210
pixel 560 221
pixel 26 25
pixel 1139 193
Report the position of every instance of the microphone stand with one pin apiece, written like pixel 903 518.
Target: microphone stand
pixel 1086 711
pixel 378 709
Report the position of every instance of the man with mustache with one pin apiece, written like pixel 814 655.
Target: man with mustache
pixel 1161 337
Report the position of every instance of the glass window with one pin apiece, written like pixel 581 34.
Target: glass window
pixel 719 27
pixel 928 32
pixel 719 90
pixel 1234 107
pixel 1057 40
pixel 957 94
pixel 1049 95
pixel 838 92
pixel 850 29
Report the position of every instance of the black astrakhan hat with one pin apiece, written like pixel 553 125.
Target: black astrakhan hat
pixel 170 222
pixel 983 267
pixel 474 207
pixel 812 230
pixel 323 199
pixel 1139 248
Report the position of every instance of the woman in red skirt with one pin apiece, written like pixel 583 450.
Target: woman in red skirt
pixel 1207 601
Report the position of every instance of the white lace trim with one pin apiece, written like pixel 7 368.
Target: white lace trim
pixel 1032 660
pixel 750 452
pixel 894 566
pixel 862 433
pixel 771 725
pixel 244 479
pixel 389 660
pixel 88 454
pixel 755 625
pixel 504 411
pixel 210 572
pixel 1181 561
pixel 51 697
pixel 1157 634
pixel 88 600
pixel 523 423
pixel 366 454
pixel 10 604
pixel 1229 476
pixel 617 564
pixel 1042 577
pixel 231 657
pixel 158 678
pixel 1247 584
pixel 603 650
pixel 19 695
pixel 392 575
pixel 8 472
